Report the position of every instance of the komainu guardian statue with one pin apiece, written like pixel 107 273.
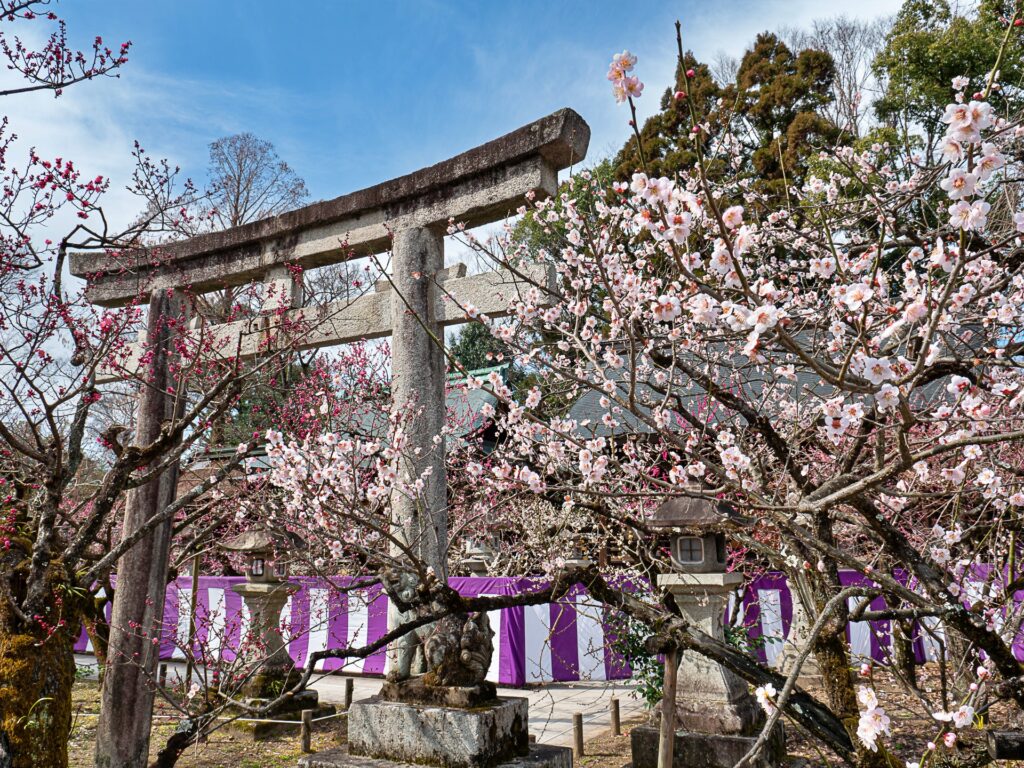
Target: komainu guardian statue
pixel 444 661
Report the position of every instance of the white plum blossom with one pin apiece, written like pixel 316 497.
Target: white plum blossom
pixel 857 294
pixel 951 149
pixel 733 217
pixel 877 369
pixel 888 398
pixel 969 216
pixel 991 160
pixel 666 308
pixel 765 695
pixel 966 121
pixel 959 183
pixel 823 267
pixel 867 697
pixel 763 318
pixel 873 721
pixel 962 717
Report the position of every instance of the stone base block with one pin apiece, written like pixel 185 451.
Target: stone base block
pixel 705 750
pixel 740 716
pixel 269 680
pixel 810 674
pixel 539 756
pixel 441 736
pixel 291 711
pixel 416 691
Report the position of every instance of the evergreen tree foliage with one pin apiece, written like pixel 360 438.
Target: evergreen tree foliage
pixel 773 106
pixel 475 348
pixel 932 42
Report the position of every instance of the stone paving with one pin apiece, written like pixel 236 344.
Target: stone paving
pixel 551 705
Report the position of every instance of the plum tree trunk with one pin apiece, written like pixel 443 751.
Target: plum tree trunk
pixel 36 677
pixel 833 655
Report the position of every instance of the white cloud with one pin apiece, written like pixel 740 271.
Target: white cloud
pixel 96 123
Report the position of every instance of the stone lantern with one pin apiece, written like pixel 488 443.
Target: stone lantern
pixel 478 557
pixel 265 659
pixel 265 593
pixel 717 719
pixel 697 540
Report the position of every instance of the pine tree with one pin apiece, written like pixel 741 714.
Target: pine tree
pixel 476 347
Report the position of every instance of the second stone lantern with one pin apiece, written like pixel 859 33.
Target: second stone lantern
pixel 716 717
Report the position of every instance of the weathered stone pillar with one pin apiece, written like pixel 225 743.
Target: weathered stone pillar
pixel 136 622
pixel 418 390
pixel 270 653
pixel 710 698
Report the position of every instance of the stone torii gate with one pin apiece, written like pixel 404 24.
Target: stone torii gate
pixel 408 216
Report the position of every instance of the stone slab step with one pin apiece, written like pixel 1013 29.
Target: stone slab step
pixel 540 756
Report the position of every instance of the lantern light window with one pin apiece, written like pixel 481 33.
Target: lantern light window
pixel 690 549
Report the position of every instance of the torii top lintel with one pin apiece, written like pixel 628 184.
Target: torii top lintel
pixel 479 186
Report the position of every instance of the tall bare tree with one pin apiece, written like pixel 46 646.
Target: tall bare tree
pixel 249 181
pixel 853 45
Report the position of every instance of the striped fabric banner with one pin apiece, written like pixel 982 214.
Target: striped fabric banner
pixel 564 641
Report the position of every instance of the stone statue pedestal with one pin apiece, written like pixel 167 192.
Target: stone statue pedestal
pixel 415 691
pixel 266 661
pixel 388 734
pixel 717 719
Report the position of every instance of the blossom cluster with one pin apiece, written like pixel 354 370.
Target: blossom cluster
pixel 624 85
pixel 972 160
pixel 873 721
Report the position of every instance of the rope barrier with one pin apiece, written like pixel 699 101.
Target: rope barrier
pixel 232 719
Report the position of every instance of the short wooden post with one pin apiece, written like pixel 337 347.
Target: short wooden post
pixel 163 676
pixel 306 733
pixel 577 733
pixel 1006 745
pixel 349 687
pixel 667 737
pixel 613 709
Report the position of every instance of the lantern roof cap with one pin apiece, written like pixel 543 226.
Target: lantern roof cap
pixel 697 513
pixel 262 540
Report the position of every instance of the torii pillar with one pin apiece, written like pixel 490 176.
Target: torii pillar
pixel 418 389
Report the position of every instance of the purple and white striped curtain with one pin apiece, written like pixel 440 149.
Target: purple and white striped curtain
pixel 563 641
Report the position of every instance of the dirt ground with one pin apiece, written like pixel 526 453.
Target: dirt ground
pixel 225 749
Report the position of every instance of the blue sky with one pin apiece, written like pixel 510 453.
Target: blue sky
pixel 355 93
